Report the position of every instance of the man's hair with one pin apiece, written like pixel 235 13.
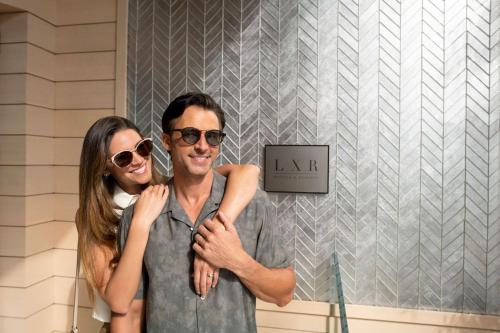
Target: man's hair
pixel 177 107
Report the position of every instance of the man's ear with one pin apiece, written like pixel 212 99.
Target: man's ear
pixel 166 141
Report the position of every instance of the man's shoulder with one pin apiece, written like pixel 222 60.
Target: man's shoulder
pixel 128 212
pixel 261 197
pixel 126 218
pixel 259 208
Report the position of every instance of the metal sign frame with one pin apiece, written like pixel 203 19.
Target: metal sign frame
pixel 296 168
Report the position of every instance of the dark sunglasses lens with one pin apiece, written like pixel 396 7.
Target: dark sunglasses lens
pixel 191 135
pixel 123 159
pixel 214 138
pixel 145 148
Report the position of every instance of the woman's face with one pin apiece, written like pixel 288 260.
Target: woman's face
pixel 131 177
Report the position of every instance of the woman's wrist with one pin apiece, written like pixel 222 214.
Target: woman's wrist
pixel 140 225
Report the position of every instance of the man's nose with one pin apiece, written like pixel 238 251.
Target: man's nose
pixel 202 143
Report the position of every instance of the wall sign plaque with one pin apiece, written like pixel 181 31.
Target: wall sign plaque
pixel 296 168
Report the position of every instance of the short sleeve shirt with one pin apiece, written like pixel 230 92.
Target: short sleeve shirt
pixel 172 304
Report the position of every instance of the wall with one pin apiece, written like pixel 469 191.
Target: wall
pixel 305 316
pixel 51 55
pixel 406 96
pixel 57 75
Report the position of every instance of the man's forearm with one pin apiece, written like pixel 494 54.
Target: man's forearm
pixel 273 285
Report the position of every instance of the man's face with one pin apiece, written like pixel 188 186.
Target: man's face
pixel 192 159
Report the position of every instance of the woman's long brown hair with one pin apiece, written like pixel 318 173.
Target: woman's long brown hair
pixel 96 218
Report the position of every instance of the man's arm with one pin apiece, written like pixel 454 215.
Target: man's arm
pixel 222 248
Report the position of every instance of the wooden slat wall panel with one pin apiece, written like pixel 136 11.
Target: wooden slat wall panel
pixel 58 77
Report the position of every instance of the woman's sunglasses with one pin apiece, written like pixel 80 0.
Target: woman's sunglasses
pixel 191 135
pixel 125 157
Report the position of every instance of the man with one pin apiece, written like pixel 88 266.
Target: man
pixel 250 253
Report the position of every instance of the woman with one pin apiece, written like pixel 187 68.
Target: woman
pixel 116 166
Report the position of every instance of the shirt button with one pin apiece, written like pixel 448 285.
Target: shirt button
pixel 191 228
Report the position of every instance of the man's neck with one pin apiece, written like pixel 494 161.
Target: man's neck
pixel 192 193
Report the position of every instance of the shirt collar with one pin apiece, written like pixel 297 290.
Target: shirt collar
pixel 212 204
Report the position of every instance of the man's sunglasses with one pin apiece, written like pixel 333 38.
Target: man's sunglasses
pixel 125 157
pixel 191 135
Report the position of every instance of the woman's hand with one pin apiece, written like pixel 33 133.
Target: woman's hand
pixel 205 276
pixel 149 205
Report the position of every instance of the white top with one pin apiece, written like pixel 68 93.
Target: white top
pixel 123 200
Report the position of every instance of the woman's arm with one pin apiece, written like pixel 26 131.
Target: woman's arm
pixel 122 284
pixel 123 323
pixel 241 185
pixel 132 322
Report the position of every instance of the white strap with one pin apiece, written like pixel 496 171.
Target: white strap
pixel 74 327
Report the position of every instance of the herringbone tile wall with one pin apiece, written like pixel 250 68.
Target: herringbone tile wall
pixel 407 95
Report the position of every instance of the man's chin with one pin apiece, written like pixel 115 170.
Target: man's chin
pixel 199 172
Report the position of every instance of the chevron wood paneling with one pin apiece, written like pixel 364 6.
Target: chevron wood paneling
pixel 144 67
pixel 287 121
pixel 307 84
pixel 367 148
pixel 288 59
pixel 132 58
pixel 213 48
pixel 410 139
pixel 306 230
pixel 452 238
pixel 195 45
pixel 161 78
pixel 405 93
pixel 347 150
pixel 327 126
pixel 389 73
pixel 431 172
pixel 268 74
pixel 178 48
pixel 231 76
pixel 476 156
pixel 493 254
pixel 249 122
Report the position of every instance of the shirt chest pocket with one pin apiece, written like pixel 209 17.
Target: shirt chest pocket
pixel 167 243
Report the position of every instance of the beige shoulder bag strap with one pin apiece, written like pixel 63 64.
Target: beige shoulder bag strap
pixel 74 326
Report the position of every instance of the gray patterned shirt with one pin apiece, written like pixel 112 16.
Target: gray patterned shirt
pixel 172 304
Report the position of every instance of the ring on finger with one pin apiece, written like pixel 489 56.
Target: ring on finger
pixel 210 275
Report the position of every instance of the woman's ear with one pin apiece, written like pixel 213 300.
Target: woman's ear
pixel 107 169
